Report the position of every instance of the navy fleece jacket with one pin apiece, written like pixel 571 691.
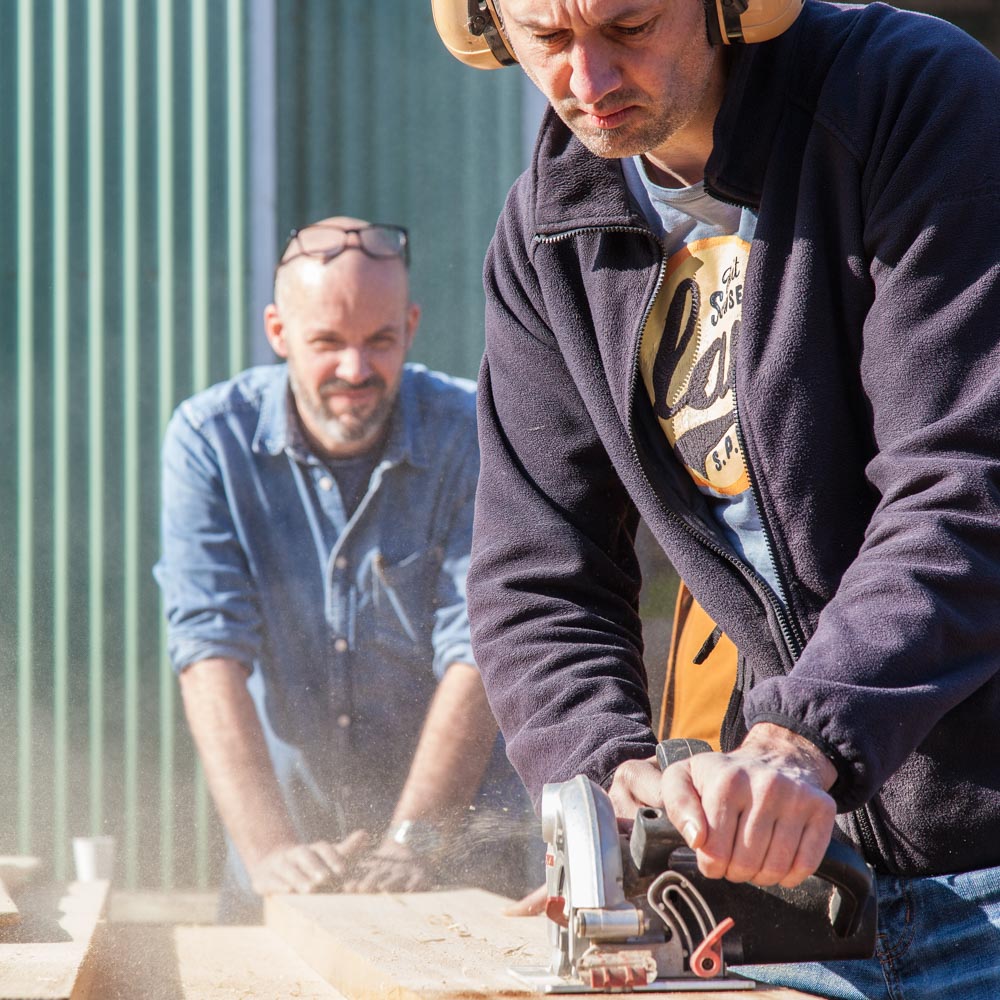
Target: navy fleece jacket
pixel 868 395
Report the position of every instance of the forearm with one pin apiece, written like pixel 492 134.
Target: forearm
pixel 454 748
pixel 553 587
pixel 230 741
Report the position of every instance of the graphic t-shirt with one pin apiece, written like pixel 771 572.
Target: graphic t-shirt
pixel 688 350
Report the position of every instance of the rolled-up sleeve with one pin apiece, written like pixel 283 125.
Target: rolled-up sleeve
pixel 209 596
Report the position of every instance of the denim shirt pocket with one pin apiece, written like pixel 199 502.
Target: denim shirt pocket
pixel 403 598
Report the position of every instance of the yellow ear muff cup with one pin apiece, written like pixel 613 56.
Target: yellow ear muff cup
pixel 487 50
pixel 750 21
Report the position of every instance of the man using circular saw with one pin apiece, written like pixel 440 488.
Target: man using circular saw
pixel 748 291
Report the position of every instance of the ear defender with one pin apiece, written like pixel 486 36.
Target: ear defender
pixel 749 21
pixel 473 31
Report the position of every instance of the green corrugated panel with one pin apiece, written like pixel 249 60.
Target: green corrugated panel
pixel 166 151
pixel 123 247
pixel 96 421
pixel 25 461
pixel 375 119
pixel 126 218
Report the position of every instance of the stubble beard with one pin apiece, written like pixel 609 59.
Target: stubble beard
pixel 624 141
pixel 353 427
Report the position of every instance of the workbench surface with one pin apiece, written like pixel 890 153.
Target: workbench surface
pixel 455 945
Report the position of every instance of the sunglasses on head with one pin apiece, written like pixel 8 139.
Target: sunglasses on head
pixel 323 241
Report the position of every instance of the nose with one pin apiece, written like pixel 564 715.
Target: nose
pixel 353 366
pixel 593 72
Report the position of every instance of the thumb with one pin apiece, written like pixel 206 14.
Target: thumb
pixel 683 803
pixel 636 783
pixel 528 905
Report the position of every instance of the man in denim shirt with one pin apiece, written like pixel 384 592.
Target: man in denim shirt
pixel 317 518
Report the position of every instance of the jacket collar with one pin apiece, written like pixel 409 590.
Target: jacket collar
pixel 278 430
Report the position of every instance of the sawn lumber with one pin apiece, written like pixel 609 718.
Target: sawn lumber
pixel 9 913
pixel 148 962
pixel 18 869
pixel 454 945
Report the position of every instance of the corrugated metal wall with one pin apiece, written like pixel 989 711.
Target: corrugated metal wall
pixel 142 191
pixel 390 128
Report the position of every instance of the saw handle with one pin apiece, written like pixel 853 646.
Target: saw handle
pixel 654 838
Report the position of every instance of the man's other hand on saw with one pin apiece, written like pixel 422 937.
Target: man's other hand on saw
pixel 759 814
pixel 302 868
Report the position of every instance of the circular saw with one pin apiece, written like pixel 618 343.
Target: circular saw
pixel 631 912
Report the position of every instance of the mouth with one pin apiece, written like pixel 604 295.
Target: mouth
pixel 345 401
pixel 352 393
pixel 605 120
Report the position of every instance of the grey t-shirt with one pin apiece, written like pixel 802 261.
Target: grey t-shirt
pixel 688 353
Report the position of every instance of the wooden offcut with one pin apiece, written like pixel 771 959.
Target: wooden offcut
pixel 9 913
pixel 48 955
pixel 427 946
pixel 18 869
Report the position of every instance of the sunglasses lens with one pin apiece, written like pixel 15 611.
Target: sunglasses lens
pixel 382 241
pixel 319 241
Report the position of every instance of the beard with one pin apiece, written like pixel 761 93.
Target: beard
pixel 354 425
pixel 654 126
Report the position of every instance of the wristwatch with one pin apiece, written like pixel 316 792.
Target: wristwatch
pixel 418 835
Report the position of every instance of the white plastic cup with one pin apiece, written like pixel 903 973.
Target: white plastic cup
pixel 94 858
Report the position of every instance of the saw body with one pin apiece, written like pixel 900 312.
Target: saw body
pixel 634 913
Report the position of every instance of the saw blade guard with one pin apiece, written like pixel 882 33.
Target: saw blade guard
pixel 584 874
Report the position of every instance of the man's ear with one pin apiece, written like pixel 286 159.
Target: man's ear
pixel 274 328
pixel 412 322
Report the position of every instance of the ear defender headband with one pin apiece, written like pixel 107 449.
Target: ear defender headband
pixel 473 31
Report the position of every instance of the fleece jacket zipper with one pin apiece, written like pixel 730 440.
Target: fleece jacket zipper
pixel 791 632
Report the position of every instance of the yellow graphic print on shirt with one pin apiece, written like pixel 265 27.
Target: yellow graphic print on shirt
pixel 686 358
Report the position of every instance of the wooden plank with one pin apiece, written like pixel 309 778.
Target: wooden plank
pixel 9 913
pixel 137 962
pixel 454 945
pixel 48 955
pixel 18 869
pixel 163 907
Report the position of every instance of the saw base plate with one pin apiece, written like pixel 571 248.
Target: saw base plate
pixel 541 980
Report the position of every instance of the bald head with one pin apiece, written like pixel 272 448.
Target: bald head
pixel 331 239
pixel 343 320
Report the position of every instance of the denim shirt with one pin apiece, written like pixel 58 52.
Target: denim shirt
pixel 347 624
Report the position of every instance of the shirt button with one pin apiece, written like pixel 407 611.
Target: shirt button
pixel 326 483
pixel 343 721
pixel 340 644
pixel 340 562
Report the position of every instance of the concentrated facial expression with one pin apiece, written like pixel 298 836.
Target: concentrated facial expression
pixel 625 75
pixel 344 328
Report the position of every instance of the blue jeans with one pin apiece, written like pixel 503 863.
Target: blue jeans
pixel 937 937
